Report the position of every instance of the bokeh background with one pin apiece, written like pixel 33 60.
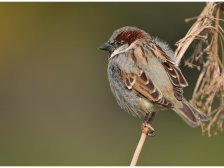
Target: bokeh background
pixel 56 107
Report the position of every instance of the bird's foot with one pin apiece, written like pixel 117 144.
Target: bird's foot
pixel 148 129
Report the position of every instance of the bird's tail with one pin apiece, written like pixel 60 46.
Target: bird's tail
pixel 190 115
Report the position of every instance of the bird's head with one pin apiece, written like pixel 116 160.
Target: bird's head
pixel 122 38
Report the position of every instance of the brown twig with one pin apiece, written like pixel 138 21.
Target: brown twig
pixel 145 132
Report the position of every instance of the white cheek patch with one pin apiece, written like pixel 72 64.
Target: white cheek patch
pixel 119 50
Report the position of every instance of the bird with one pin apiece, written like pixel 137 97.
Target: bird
pixel 145 78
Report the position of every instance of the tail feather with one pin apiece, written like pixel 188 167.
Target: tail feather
pixel 190 115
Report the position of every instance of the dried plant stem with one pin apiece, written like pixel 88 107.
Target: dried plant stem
pixel 206 36
pixel 145 133
pixel 216 33
pixel 194 31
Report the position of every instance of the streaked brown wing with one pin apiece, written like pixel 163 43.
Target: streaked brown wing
pixel 177 79
pixel 135 78
pixel 145 87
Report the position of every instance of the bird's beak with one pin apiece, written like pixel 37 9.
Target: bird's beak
pixel 105 47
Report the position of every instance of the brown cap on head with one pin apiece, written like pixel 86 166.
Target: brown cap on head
pixel 124 35
pixel 128 34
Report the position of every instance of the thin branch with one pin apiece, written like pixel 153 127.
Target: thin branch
pixel 146 131
pixel 138 149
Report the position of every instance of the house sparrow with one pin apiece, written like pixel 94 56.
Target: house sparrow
pixel 144 76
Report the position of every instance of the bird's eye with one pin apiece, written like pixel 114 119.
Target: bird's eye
pixel 119 43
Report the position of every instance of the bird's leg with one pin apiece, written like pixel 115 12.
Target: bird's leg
pixel 146 126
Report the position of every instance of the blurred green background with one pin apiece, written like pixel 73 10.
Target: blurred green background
pixel 56 107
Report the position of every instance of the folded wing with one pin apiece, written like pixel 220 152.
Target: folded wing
pixel 135 78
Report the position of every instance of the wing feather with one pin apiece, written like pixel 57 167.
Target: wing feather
pixel 145 87
pixel 176 77
pixel 135 78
